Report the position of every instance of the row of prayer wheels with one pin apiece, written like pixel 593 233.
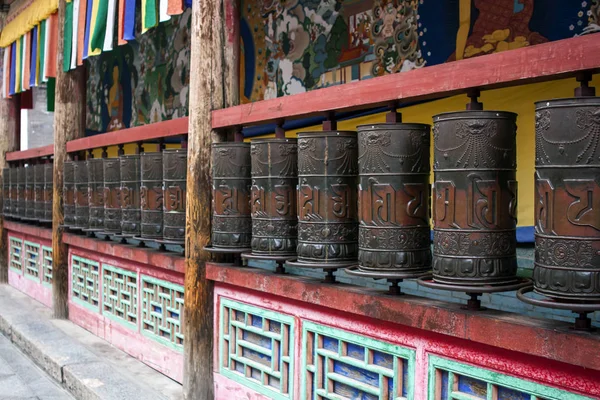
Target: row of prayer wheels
pixel 132 196
pixel 27 193
pixel 363 200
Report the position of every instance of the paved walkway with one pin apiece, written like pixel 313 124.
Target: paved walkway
pixel 21 379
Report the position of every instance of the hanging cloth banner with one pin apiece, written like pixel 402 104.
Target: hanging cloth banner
pixel 175 7
pixel 7 71
pixel 43 46
pixel 13 69
pixel 34 57
pixel 74 34
pixel 19 64
pixel 129 20
pixel 121 23
pixel 81 29
pixel 52 47
pixel 163 7
pixel 94 51
pixel 110 25
pixel 68 37
pixel 149 15
pixel 40 50
pixel 32 14
pixel 99 13
pixel 27 61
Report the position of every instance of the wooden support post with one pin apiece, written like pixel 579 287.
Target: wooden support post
pixel 68 125
pixel 214 71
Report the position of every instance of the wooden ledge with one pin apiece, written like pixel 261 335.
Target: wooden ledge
pixel 140 255
pixel 27 229
pixel 538 337
pixel 31 153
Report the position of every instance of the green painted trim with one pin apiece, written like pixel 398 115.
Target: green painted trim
pixel 289 320
pixel 44 283
pixel 77 300
pixel 111 316
pixel 28 275
pixel 364 341
pixel 532 388
pixel 11 240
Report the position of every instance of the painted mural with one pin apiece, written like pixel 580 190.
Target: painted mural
pixel 142 82
pixel 291 46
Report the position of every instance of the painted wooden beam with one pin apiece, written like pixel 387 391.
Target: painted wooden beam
pixel 547 61
pixel 27 229
pixel 69 123
pixel 174 127
pixel 29 154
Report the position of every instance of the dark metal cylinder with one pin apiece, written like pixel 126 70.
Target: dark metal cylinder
pixel 394 196
pixel 30 192
pixel 567 199
pixel 96 193
pixel 130 195
pixel 6 192
pixel 475 204
pixel 112 188
pixel 38 191
pixel 273 196
pixel 231 220
pixel 151 195
pixel 48 192
pixel 174 184
pixel 69 194
pixel 327 197
pixel 82 210
pixel 14 192
pixel 21 193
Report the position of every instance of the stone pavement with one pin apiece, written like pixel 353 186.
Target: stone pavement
pixel 21 379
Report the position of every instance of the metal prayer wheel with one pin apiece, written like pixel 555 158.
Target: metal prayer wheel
pixel 567 199
pixel 394 195
pixel 29 192
pixel 38 191
pixel 21 192
pixel 69 193
pixel 174 184
pixel 6 192
pixel 273 196
pixel 151 195
pixel 231 219
pixel 14 198
pixel 96 193
pixel 475 198
pixel 112 188
pixel 48 192
pixel 82 211
pixel 130 195
pixel 327 199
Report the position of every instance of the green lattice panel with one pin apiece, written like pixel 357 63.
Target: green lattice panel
pixel 32 260
pixel 47 265
pixel 257 348
pixel 339 365
pixel 85 275
pixel 16 255
pixel 162 309
pixel 451 380
pixel 120 295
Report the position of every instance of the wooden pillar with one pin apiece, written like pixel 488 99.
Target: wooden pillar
pixel 212 74
pixel 10 125
pixel 69 124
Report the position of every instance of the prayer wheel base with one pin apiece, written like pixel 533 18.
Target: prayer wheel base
pixel 328 267
pixel 394 278
pixel 280 260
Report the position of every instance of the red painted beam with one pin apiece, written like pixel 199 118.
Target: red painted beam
pixel 538 337
pixel 174 127
pixel 31 153
pixel 26 229
pixel 547 61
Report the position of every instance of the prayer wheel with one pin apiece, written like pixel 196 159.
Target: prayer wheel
pixel 151 195
pixel 29 192
pixel 82 211
pixel 38 191
pixel 69 194
pixel 327 199
pixel 112 188
pixel 6 192
pixel 175 183
pixel 567 199
pixel 475 204
pixel 14 192
pixel 231 219
pixel 394 194
pixel 273 196
pixel 48 192
pixel 21 192
pixel 96 193
pixel 130 195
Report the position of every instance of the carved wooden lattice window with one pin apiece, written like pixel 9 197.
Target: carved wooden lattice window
pixel 32 260
pixel 16 255
pixel 256 348
pixel 120 295
pixel 451 380
pixel 337 365
pixel 84 285
pixel 162 311
pixel 47 265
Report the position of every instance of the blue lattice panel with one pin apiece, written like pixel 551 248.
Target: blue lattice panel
pixel 451 380
pixel 338 365
pixel 47 265
pixel 85 275
pixel 32 260
pixel 257 348
pixel 16 254
pixel 162 309
pixel 120 295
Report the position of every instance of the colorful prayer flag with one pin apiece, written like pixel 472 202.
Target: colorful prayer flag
pixel 6 77
pixel 19 65
pixel 81 31
pixel 121 24
pixel 175 7
pixel 74 34
pixel 13 68
pixel 43 46
pixel 163 11
pixel 110 25
pixel 98 26
pixel 51 50
pixel 68 37
pixel 129 20
pixel 88 28
pixel 149 15
pixel 34 54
